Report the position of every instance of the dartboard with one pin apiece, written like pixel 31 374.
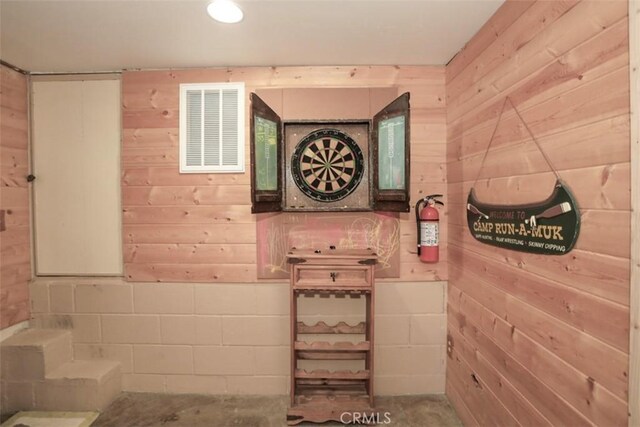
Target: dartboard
pixel 327 165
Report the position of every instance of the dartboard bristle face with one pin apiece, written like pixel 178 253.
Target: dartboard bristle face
pixel 327 165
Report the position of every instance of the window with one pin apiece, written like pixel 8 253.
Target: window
pixel 212 127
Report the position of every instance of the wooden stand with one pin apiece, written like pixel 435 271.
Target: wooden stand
pixel 322 395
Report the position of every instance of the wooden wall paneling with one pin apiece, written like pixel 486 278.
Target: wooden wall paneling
pixel 190 253
pixel 506 15
pixel 187 215
pixel 175 272
pixel 189 233
pixel 584 395
pixel 580 23
pixel 538 16
pixel 572 115
pixel 539 320
pixel 464 413
pixel 169 175
pixel 477 395
pixel 598 56
pixel 581 350
pixel 634 98
pixel 555 298
pixel 173 222
pixel 596 274
pixel 541 396
pixel 15 241
pixel 596 187
pixel 186 195
pixel 609 139
pixel 525 413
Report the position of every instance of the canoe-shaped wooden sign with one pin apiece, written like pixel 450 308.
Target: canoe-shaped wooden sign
pixel 550 227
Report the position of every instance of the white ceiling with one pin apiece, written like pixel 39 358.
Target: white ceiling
pixel 94 35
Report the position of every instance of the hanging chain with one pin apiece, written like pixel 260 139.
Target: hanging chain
pixel 493 134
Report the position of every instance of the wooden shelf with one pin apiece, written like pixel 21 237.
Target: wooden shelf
pixel 333 347
pixel 328 289
pixel 320 395
pixel 357 390
pixel 328 407
pixel 339 328
pixel 332 375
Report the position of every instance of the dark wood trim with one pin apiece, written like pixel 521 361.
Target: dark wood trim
pixel 14 67
pixel 265 201
pixel 391 200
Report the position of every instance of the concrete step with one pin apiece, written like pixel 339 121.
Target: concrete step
pixel 31 354
pixel 81 385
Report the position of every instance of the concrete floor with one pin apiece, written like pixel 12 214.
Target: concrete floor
pixel 147 409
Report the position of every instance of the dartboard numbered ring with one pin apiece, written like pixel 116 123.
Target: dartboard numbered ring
pixel 327 165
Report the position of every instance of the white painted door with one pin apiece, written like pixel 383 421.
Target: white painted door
pixel 76 161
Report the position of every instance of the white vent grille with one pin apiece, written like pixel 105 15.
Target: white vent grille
pixel 229 126
pixel 212 127
pixel 194 128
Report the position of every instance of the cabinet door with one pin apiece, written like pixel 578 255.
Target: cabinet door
pixel 266 157
pixel 391 156
pixel 76 159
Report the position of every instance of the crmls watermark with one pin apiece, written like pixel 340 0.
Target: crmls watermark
pixel 365 418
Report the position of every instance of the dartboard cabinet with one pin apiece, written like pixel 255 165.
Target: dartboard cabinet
pixel 334 165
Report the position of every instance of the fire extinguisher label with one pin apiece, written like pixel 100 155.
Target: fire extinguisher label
pixel 429 233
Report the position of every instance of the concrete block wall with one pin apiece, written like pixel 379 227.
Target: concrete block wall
pixel 234 338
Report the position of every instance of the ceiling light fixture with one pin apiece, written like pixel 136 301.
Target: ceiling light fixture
pixel 225 11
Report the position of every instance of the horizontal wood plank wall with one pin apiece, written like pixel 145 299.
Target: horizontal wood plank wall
pixel 15 249
pixel 199 227
pixel 542 340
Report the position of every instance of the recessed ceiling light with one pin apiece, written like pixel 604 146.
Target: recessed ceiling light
pixel 225 11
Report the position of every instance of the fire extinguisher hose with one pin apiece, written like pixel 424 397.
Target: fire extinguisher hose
pixel 418 209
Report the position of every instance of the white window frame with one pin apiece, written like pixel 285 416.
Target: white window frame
pixel 240 167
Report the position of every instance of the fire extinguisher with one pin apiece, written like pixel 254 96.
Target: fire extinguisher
pixel 427 219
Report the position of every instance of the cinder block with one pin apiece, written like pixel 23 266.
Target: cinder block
pixel 16 396
pixel 84 327
pixel 272 360
pixel 224 360
pixel 398 385
pixel 163 298
pixel 143 383
pixel 259 330
pixel 225 298
pixel 202 384
pixel 409 360
pixel 122 353
pixel 162 359
pixel 178 329
pixel 61 298
pixel 250 385
pixel 79 386
pixel 428 329
pixel 30 354
pixel 392 330
pixel 104 298
pixel 410 298
pixel 130 329
pixel 272 299
pixel 208 330
pixel 39 296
